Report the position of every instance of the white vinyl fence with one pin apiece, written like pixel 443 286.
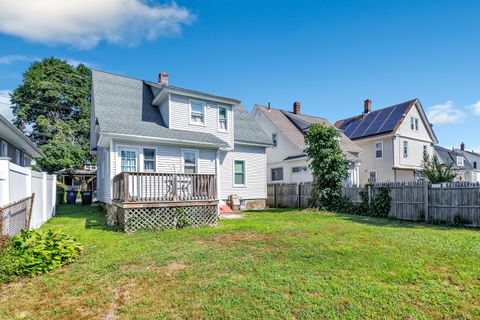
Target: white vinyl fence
pixel 17 183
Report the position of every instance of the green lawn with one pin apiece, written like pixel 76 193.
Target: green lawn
pixel 270 265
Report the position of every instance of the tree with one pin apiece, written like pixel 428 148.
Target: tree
pixel 328 165
pixel 436 172
pixel 54 100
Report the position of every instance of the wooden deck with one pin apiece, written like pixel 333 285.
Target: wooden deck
pixel 154 189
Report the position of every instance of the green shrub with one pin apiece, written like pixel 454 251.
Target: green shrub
pixel 378 206
pixel 182 220
pixel 37 252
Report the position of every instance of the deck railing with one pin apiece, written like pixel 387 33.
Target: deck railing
pixel 163 187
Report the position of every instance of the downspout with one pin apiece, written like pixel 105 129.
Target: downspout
pixel 217 171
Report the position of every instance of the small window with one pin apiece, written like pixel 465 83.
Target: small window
pixel 475 165
pixel 197 113
pixel 414 123
pixel 275 139
pixel 190 162
pixel 425 150
pixel 149 159
pixel 405 149
pixel 378 150
pixel 460 161
pixel 372 177
pixel 239 172
pixel 4 151
pixel 128 160
pixel 222 119
pixel 18 157
pixel 299 169
pixel 277 174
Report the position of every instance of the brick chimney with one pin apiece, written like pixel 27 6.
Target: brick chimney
pixel 163 78
pixel 462 146
pixel 367 106
pixel 296 107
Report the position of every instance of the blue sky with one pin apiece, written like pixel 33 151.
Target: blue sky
pixel 329 55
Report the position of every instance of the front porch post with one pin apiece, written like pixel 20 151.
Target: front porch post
pixel 217 172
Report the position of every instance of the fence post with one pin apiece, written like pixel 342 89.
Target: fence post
pixel 54 194
pixel 427 201
pixel 275 195
pixel 299 190
pixel 4 181
pixel 44 197
pixel 370 194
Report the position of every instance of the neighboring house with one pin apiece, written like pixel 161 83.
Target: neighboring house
pixel 286 160
pixel 461 165
pixel 393 141
pixel 78 177
pixel 474 159
pixel 173 146
pixel 16 146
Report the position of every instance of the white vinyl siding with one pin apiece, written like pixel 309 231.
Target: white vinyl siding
pixel 255 173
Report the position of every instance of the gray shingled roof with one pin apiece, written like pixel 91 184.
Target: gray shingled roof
pixel 247 129
pixel 450 156
pixel 123 106
pixel 294 126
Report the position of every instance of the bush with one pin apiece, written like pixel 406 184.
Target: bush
pixel 37 252
pixel 379 206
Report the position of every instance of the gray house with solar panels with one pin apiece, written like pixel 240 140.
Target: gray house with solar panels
pixel 163 150
pixel 393 140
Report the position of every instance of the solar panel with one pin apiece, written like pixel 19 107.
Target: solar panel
pixel 365 123
pixel 377 124
pixel 351 128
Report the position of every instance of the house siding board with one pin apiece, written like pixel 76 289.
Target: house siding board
pixel 370 163
pixel 103 178
pixel 180 118
pixel 256 176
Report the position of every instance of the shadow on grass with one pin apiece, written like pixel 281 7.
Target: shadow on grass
pixel 94 217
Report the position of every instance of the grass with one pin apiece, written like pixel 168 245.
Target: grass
pixel 270 265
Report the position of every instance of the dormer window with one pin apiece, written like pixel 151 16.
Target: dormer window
pixel 414 123
pixel 460 161
pixel 222 119
pixel 197 113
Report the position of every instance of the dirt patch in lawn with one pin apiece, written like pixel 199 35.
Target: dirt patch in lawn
pixel 171 269
pixel 240 236
pixel 121 296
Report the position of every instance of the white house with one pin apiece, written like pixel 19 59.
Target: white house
pixel 474 159
pixel 464 163
pixel 159 145
pixel 286 160
pixel 393 141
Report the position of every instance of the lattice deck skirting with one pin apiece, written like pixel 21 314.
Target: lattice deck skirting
pixel 157 218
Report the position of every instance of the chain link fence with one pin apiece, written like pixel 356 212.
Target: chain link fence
pixel 15 217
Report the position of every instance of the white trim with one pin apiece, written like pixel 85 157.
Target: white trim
pixel 376 175
pixel 244 185
pixel 227 120
pixel 208 97
pixel 204 124
pixel 196 152
pixel 243 143
pixel 177 142
pixel 375 149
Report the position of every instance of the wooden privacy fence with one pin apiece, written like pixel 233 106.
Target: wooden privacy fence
pixel 414 201
pixel 15 217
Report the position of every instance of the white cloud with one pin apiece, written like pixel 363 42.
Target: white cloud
pixel 445 113
pixel 5 104
pixel 475 108
pixel 12 58
pixel 84 23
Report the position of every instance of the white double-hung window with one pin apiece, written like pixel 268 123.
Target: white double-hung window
pixel 4 151
pixel 405 149
pixel 149 159
pixel 128 160
pixel 190 161
pixel 379 150
pixel 414 123
pixel 239 172
pixel 197 112
pixel 222 119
